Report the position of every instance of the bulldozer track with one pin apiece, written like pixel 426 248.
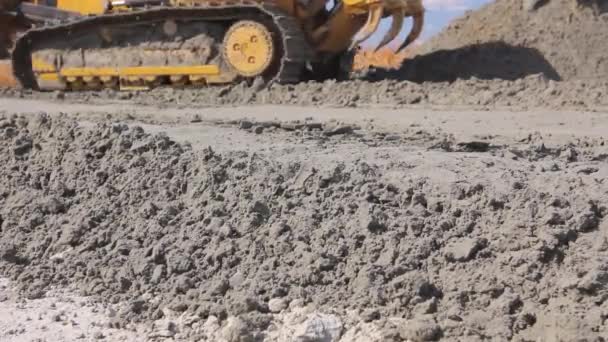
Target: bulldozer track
pixel 294 49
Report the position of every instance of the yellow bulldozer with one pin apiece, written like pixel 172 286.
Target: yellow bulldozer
pixel 141 44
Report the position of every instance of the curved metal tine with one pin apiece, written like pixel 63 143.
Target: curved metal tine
pixel 396 26
pixel 415 32
pixel 373 21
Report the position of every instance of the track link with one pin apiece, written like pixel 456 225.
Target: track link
pixel 295 51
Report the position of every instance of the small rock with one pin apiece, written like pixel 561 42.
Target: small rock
pixel 455 318
pixel 313 125
pixel 141 146
pixel 392 137
pixel 463 250
pixel 277 305
pixel 474 146
pixel 258 130
pixel 157 274
pixel 98 335
pixel 375 225
pixel 236 280
pixel 244 124
pixel 339 129
pixel 220 287
pixel 587 170
pixel 427 307
pixel 319 328
pixel 23 145
pixel 518 185
pixel 183 284
pixel 570 155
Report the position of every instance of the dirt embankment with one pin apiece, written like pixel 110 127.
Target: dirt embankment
pixel 509 39
pixel 466 241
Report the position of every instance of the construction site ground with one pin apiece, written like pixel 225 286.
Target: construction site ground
pixel 460 197
pixel 458 224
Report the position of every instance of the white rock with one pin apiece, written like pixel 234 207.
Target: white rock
pixel 319 328
pixel 277 305
pixel 462 250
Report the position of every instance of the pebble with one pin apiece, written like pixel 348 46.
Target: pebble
pixel 277 305
pixel 244 124
pixel 463 250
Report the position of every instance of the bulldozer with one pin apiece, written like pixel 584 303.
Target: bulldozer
pixel 73 45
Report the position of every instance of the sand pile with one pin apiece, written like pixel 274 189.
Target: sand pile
pixel 509 39
pixel 138 219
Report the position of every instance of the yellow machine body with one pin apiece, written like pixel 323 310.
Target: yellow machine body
pixel 249 47
pixel 83 6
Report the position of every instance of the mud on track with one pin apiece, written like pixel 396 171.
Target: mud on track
pixel 426 237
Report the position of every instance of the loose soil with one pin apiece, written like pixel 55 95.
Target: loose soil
pixel 436 238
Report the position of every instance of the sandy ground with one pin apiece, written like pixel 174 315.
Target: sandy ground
pixel 59 316
pixel 438 149
pixel 467 124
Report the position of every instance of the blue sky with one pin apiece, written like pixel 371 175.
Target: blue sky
pixel 438 14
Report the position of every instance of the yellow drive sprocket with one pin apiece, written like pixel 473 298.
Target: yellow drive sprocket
pixel 248 48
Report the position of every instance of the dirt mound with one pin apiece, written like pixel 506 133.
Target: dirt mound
pixel 138 219
pixel 508 39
